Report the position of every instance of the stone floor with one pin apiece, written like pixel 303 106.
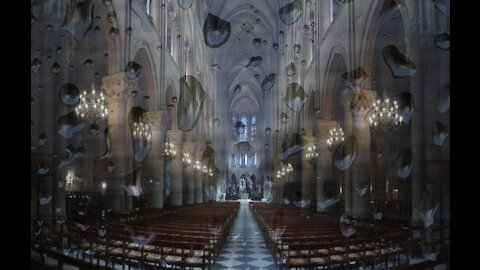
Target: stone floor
pixel 245 247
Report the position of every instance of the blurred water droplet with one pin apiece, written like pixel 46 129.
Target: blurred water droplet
pixel 345 153
pixel 290 70
pixel 237 88
pixel 49 58
pixel 32 101
pixel 347 226
pixel 96 75
pixel 362 190
pixel 215 31
pixel 443 6
pixel 112 17
pixel 444 100
pixel 97 30
pixel 185 4
pixel 257 43
pixel 71 155
pixel 114 33
pixel 268 131
pixel 42 139
pixel 45 200
pixel 110 166
pixel 129 31
pixel 398 63
pixel 32 124
pixel 55 68
pixel 265 43
pixel 257 21
pixel 404 163
pixel 59 50
pixel 297 48
pixel 70 67
pixel 284 117
pixel 295 97
pixel 37 51
pixel 257 76
pixel 269 82
pixel 69 95
pixel 107 2
pixel 105 56
pixel 303 62
pixel 443 41
pixel 255 61
pixel 327 203
pixel 49 27
pixel 94 129
pixel 440 133
pixel 33 19
pixel 132 70
pixel 405 106
pixel 302 203
pixel 88 63
pixel 281 34
pixel 36 65
pixel 290 13
pixel 217 122
pixel 275 46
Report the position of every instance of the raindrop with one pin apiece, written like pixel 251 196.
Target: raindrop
pixel 275 46
pixel 96 75
pixel 112 17
pixel 36 65
pixel 32 101
pixel 94 129
pixel 443 6
pixel 134 93
pixel 88 63
pixel 440 133
pixel 347 226
pixel 60 184
pixel 290 13
pixel 72 154
pixel 129 31
pixel 105 56
pixel 114 33
pixel 268 131
pixel 49 27
pixel 97 30
pixel 443 41
pixel 399 64
pixel 49 58
pixel 444 100
pixel 107 2
pixel 59 50
pixel 69 95
pixel 32 147
pixel 265 43
pixel 70 67
pixel 257 76
pixel 284 117
pixel 55 68
pixel 32 124
pixel 281 34
pixel 215 31
pixel 297 48
pixel 405 106
pixel 295 97
pixel 345 153
pixel 239 128
pixel 362 190
pixel 58 210
pixel 37 51
pixel 257 43
pixel 290 70
pixel 217 122
pixel 132 70
pixel 302 203
pixel 45 200
pixel 110 166
pixel 355 78
pixel 257 20
pixel 326 203
pixel 237 88
pixel 404 163
pixel 43 168
pixel 255 61
pixel 42 139
pixel 269 82
pixel 303 62
pixel 32 19
pixel 185 4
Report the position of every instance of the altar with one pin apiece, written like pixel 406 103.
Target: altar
pixel 244 195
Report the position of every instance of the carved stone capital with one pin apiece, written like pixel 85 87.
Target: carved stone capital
pixel 323 127
pixel 157 119
pixel 362 100
pixel 189 147
pixel 117 87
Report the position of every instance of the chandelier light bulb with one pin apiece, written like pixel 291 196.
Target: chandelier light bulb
pixel 384 116
pixel 92 106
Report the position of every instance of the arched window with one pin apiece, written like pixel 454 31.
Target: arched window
pixel 244 135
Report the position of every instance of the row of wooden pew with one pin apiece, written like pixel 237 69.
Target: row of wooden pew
pixel 301 238
pixel 186 237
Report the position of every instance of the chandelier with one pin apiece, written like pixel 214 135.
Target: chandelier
pixel 197 166
pixel 311 152
pixel 384 115
pixel 336 137
pixel 142 131
pixel 285 170
pixel 92 107
pixel 186 159
pixel 210 172
pixel 204 169
pixel 168 150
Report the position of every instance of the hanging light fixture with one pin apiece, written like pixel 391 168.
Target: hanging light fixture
pixel 384 116
pixel 311 153
pixel 197 166
pixel 336 137
pixel 204 169
pixel 168 149
pixel 186 159
pixel 92 106
pixel 142 131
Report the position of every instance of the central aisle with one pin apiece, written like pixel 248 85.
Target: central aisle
pixel 245 247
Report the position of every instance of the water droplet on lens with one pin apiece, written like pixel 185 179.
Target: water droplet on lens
pixel 444 100
pixel 404 163
pixel 185 4
pixel 33 19
pixel 36 65
pixel 49 58
pixel 59 50
pixel 269 82
pixel 256 43
pixel 399 64
pixel 105 56
pixel 291 70
pixel 129 31
pixel 440 133
pixel 284 117
pixel 290 13
pixel 69 95
pixel 97 30
pixel 132 70
pixel 215 31
pixel 345 153
pixel 42 139
pixel 96 75
pixel 55 68
pixel 275 46
pixel 443 41
pixel 295 97
pixel 112 17
pixel 114 33
pixel 257 20
pixel 49 27
pixel 88 63
pixel 296 48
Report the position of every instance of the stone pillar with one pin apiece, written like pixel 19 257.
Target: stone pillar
pixel 324 159
pixel 156 13
pixel 116 89
pixel 362 100
pixel 347 129
pixel 278 182
pixel 198 176
pixel 308 174
pixel 176 137
pixel 188 172
pixel 155 160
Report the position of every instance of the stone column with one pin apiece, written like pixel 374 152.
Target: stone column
pixel 155 160
pixel 347 129
pixel 362 100
pixel 324 159
pixel 278 182
pixel 197 175
pixel 188 172
pixel 176 137
pixel 308 174
pixel 116 89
